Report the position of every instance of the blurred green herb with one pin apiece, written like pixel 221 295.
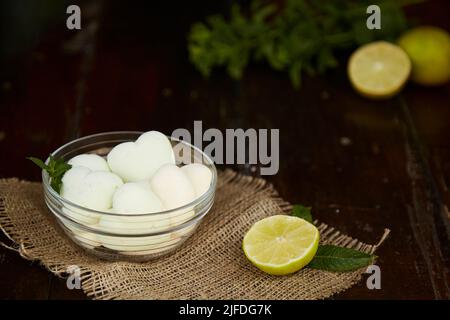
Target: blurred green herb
pixel 301 36
pixel 55 169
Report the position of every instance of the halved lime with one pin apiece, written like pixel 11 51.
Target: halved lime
pixel 379 69
pixel 281 244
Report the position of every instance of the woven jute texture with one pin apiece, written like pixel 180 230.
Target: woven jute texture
pixel 210 265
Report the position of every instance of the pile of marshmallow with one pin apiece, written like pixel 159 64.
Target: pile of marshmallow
pixel 136 178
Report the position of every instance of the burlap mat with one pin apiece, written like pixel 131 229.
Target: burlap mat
pixel 211 264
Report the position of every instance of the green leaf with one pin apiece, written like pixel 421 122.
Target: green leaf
pixel 38 162
pixel 339 259
pixel 56 183
pixel 297 37
pixel 61 169
pixel 295 75
pixel 302 212
pixel 261 13
pixel 56 168
pixel 51 165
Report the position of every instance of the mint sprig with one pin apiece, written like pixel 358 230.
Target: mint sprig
pixel 302 212
pixel 339 259
pixel 330 257
pixel 56 168
pixel 298 37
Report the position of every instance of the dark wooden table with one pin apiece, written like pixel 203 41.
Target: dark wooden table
pixel 362 165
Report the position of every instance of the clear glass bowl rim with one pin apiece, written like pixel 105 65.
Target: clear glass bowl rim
pixel 189 206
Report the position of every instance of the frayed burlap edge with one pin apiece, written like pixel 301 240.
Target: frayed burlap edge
pixel 95 281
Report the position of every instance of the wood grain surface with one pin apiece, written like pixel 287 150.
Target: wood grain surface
pixel 361 165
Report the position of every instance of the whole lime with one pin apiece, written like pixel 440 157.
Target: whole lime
pixel 429 50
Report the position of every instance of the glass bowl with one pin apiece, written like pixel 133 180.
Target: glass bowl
pixel 132 237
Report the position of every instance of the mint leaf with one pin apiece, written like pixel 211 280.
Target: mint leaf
pixel 333 258
pixel 338 259
pixel 302 212
pixel 56 168
pixel 61 167
pixel 297 36
pixel 38 162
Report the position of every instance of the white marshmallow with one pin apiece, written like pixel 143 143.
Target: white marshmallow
pixel 71 179
pixel 91 189
pixel 74 177
pixel 135 198
pixel 133 225
pixel 81 216
pixel 184 232
pixel 90 161
pixel 181 216
pixel 135 161
pixel 200 177
pixel 87 239
pixel 172 186
pixel 137 245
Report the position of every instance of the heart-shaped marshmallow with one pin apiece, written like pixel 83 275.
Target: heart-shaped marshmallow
pixel 172 186
pixel 90 161
pixel 136 161
pixel 136 198
pixel 200 177
pixel 91 189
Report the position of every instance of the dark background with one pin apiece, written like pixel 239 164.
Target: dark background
pixel 128 69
